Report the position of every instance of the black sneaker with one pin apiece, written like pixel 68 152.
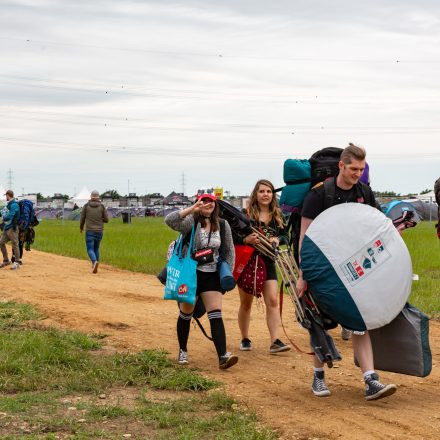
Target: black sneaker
pixel 278 347
pixel 4 264
pixel 376 390
pixel 227 360
pixel 319 387
pixel 245 345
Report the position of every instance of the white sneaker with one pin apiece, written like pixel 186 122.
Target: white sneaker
pixel 15 266
pixel 182 358
pixel 95 267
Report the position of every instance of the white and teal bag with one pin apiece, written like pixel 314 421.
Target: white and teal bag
pixel 357 266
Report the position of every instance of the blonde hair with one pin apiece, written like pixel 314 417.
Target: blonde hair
pixel 274 211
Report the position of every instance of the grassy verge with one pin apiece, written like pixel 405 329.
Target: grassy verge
pixel 424 247
pixel 61 385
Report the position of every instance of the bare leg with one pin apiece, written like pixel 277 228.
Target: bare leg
pixel 244 313
pixel 270 295
pixel 363 351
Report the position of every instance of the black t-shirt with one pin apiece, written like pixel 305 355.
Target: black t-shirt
pixel 314 203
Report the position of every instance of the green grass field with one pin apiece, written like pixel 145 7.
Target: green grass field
pixel 142 245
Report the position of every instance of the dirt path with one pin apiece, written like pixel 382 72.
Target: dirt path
pixel 128 307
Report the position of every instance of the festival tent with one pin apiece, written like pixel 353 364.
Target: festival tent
pixel 2 194
pixel 396 208
pixel 80 199
pixel 426 210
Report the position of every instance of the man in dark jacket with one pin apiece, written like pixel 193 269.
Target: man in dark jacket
pixel 437 199
pixel 93 215
pixel 10 215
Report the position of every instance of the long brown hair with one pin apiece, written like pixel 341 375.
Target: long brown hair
pixel 274 211
pixel 214 219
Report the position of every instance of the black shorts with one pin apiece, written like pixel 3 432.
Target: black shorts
pixel 208 281
pixel 271 270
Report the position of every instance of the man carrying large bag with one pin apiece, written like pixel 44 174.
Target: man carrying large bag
pixel 342 189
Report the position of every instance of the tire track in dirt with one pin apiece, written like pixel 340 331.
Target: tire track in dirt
pixel 128 308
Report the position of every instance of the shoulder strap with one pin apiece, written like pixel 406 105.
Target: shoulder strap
pixel 329 192
pixel 222 236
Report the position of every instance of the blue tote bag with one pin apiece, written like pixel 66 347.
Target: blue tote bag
pixel 181 284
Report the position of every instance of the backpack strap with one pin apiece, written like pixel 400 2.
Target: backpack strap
pixel 329 192
pixel 222 237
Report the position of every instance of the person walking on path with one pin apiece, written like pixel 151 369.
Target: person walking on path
pixel 264 214
pixel 211 232
pixel 10 214
pixel 93 216
pixel 348 188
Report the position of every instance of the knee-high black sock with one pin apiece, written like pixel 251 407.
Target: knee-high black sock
pixel 183 324
pixel 217 331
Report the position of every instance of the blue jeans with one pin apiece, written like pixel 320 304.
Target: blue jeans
pixel 93 240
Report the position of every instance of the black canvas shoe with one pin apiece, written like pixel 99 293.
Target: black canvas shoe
pixel 278 347
pixel 319 387
pixel 227 360
pixel 375 390
pixel 245 345
pixel 4 264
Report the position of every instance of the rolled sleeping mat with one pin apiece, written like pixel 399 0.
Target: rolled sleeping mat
pixel 297 176
pixel 357 266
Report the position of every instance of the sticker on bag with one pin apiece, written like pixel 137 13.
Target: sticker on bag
pixel 365 261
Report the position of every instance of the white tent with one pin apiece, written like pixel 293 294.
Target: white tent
pixel 80 199
pixel 427 197
pixel 2 195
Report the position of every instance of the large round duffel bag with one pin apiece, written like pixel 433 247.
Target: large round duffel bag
pixel 357 266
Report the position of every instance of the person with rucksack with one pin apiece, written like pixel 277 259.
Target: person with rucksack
pixel 212 241
pixel 437 199
pixel 266 216
pixel 10 214
pixel 344 188
pixel 26 223
pixel 93 216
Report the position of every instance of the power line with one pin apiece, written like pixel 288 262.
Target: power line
pixel 238 152
pixel 223 55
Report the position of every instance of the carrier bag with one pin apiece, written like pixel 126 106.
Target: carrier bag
pixel 402 346
pixel 181 282
pixel 243 253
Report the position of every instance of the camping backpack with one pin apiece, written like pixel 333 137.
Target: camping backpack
pixel 300 175
pixel 27 218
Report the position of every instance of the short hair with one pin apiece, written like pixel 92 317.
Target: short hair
pixel 94 194
pixel 353 152
pixel 9 193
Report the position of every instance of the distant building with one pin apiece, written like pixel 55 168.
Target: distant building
pixel 175 199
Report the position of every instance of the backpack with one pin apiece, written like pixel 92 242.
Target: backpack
pixel 300 175
pixel 27 218
pixel 325 164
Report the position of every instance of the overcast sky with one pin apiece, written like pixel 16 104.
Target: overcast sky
pixel 132 94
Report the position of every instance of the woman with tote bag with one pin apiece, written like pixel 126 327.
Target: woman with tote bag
pixel 209 249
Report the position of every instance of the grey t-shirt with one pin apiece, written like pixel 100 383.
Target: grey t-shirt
pixel 213 242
